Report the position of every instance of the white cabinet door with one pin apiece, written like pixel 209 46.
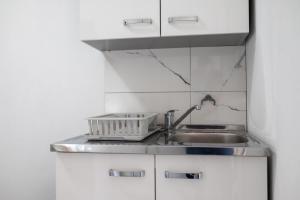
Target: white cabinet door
pixel 117 19
pixel 204 17
pixel 88 177
pixel 220 178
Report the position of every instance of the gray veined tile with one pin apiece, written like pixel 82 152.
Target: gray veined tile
pixel 147 102
pixel 230 108
pixel 155 70
pixel 218 68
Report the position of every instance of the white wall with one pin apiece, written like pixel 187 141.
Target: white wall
pixel 49 83
pixel 274 90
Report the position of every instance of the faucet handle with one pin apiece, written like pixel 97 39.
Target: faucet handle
pixel 169 118
pixel 172 111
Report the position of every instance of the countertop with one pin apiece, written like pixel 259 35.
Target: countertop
pixel 158 144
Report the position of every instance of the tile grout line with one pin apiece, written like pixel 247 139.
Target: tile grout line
pixel 160 17
pixel 155 185
pixel 246 91
pixel 190 91
pixel 190 66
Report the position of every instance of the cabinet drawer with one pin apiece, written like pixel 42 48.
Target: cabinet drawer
pixel 104 176
pixel 211 178
pixel 119 19
pixel 204 17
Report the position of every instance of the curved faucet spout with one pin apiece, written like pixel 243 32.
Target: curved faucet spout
pixel 184 115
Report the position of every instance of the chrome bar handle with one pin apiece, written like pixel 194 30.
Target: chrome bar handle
pixel 118 173
pixel 176 175
pixel 183 19
pixel 127 22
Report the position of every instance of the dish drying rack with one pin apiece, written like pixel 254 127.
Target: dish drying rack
pixel 122 126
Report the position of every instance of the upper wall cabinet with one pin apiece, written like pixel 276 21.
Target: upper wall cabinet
pixel 119 19
pixel 140 24
pixel 204 17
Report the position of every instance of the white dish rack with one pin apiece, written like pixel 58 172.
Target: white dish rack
pixel 122 126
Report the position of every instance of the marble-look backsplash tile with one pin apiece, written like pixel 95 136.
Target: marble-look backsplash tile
pixel 218 69
pixel 158 80
pixel 154 70
pixel 229 108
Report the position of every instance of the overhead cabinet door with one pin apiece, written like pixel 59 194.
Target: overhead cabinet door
pixel 119 19
pixel 204 17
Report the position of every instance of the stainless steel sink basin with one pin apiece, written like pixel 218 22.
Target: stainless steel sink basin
pixel 213 128
pixel 203 137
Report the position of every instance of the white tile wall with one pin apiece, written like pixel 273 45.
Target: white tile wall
pixel 230 108
pixel 158 80
pixel 218 69
pixel 147 70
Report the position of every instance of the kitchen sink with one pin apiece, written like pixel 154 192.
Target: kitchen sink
pixel 225 140
pixel 208 137
pixel 213 128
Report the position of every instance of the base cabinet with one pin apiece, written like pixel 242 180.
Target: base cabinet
pixel 105 177
pixel 211 178
pixel 162 177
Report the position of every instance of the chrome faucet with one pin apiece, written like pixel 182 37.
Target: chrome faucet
pixel 169 117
